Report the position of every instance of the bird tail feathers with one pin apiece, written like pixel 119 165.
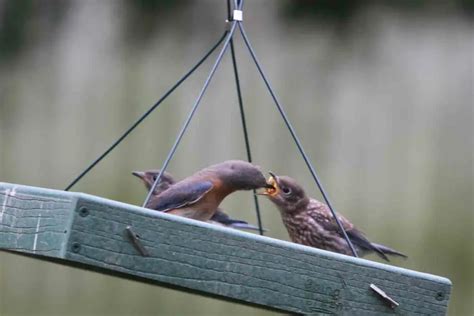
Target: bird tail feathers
pixel 383 250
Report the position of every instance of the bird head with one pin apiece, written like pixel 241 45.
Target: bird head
pixel 149 177
pixel 286 193
pixel 240 175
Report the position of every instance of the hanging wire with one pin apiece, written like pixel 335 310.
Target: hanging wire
pixel 145 115
pixel 242 117
pixel 229 16
pixel 228 42
pixel 191 114
pixel 295 138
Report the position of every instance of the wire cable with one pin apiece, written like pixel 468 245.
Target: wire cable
pixel 145 115
pixel 244 123
pixel 295 138
pixel 228 42
pixel 191 114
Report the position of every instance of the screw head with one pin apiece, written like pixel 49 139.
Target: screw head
pixel 83 211
pixel 439 296
pixel 76 247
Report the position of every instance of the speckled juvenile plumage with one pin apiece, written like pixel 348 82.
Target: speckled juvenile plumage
pixel 310 222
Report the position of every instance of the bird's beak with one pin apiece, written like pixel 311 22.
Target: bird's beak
pixel 272 188
pixel 139 174
pixel 263 192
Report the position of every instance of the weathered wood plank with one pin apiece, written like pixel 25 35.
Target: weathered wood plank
pixel 91 231
pixel 35 222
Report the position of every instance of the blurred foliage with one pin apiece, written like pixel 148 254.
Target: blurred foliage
pixel 342 10
pixel 19 19
pixel 13 18
pixel 144 16
pixel 24 21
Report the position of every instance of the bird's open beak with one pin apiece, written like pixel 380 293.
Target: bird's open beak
pixel 139 174
pixel 272 187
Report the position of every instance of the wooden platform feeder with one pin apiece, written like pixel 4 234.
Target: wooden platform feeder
pixel 94 233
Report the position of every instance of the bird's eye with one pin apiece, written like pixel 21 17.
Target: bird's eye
pixel 286 190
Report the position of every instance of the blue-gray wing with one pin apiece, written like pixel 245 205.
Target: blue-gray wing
pixel 224 219
pixel 179 195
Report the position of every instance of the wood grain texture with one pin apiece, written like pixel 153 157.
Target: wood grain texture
pixel 212 260
pixel 34 221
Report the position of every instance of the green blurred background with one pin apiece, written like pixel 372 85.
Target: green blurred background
pixel 381 94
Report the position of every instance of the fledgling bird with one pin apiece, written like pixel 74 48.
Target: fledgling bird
pixel 219 218
pixel 310 222
pixel 149 177
pixel 199 195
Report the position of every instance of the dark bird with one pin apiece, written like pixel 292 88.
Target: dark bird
pixel 199 195
pixel 167 180
pixel 310 222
